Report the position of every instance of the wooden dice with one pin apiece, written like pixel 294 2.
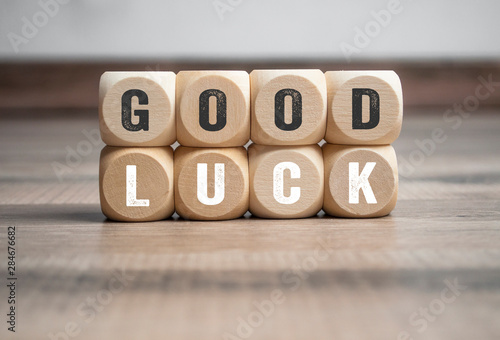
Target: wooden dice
pixel 211 183
pixel 365 110
pixel 136 184
pixel 213 108
pixel 285 181
pixel 214 114
pixel 360 181
pixel 137 108
pixel 364 107
pixel 288 107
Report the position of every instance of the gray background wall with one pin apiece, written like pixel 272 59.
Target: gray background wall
pixel 249 29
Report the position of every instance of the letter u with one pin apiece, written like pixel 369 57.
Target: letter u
pixel 202 189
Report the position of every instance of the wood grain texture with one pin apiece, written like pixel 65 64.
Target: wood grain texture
pixel 144 192
pixel 220 99
pixel 285 181
pixel 281 93
pixel 153 94
pixel 189 280
pixel 222 194
pixel 369 189
pixel 386 88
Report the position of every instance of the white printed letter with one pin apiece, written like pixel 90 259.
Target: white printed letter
pixel 132 200
pixel 203 184
pixel 360 181
pixel 278 183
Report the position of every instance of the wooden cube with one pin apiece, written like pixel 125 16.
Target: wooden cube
pixel 136 184
pixel 288 107
pixel 360 181
pixel 285 181
pixel 211 183
pixel 213 108
pixel 137 108
pixel 364 107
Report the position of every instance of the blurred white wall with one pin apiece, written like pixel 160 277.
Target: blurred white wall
pixel 249 29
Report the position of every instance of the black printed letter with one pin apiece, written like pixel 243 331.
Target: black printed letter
pixel 279 109
pixel 127 111
pixel 357 108
pixel 221 110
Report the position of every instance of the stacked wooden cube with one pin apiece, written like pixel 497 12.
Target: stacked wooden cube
pixel 214 114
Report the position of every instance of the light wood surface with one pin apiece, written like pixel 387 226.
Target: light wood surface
pixel 360 181
pixel 288 107
pixel 213 108
pixel 137 108
pixel 372 117
pixel 194 280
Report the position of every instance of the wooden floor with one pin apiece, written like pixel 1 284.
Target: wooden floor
pixel 330 278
